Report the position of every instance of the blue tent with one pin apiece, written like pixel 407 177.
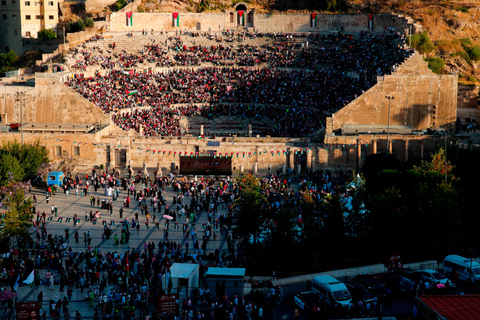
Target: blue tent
pixel 55 178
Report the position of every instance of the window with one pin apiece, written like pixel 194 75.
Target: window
pixel 28 34
pixel 231 17
pixel 76 151
pixel 14 1
pixel 39 17
pixel 58 151
pixel 4 16
pixel 50 17
pixel 7 49
pixel 50 3
pixel 28 17
pixel 27 3
pixel 14 16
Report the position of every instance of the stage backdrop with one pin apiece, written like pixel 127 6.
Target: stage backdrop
pixel 206 165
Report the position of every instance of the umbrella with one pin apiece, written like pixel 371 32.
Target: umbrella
pixel 166 216
pixel 6 295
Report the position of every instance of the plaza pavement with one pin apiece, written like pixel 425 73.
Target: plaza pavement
pixel 67 207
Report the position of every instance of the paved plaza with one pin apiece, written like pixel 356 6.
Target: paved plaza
pixel 68 206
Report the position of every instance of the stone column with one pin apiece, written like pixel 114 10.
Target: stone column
pixel 201 130
pixel 359 155
pixel 159 168
pixel 406 149
pixel 112 157
pixel 255 167
pixel 284 168
pixel 241 168
pixel 421 149
pixel 291 159
pixel 314 167
pixel 250 130
pixel 374 142
pixel 299 169
pixel 390 144
pixel 309 160
pixel 144 167
pixel 140 130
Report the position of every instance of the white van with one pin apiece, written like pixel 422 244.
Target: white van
pixel 333 291
pixel 467 269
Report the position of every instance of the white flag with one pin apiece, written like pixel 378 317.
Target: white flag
pixel 30 279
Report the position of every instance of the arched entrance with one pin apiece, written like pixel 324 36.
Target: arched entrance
pixel 241 9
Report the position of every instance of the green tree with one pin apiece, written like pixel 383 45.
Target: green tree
pixel 30 156
pixel 435 64
pixel 438 166
pixel 120 4
pixel 47 34
pixel 18 211
pixel 7 61
pixel 248 207
pixel 10 169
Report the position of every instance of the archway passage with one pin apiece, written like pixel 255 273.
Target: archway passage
pixel 241 7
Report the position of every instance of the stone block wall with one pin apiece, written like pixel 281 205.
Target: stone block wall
pixel 422 100
pixel 269 22
pixel 468 96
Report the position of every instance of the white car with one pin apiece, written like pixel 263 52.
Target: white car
pixel 434 277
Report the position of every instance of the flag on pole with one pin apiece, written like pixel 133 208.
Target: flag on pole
pixel 127 268
pixel 241 18
pixel 176 19
pixel 201 136
pixel 313 20
pixel 30 279
pixel 15 286
pixel 129 19
pixel 370 21
pixel 131 93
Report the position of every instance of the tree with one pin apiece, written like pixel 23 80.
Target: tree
pixel 10 169
pixel 437 167
pixel 17 214
pixel 65 163
pixel 248 207
pixel 120 4
pixel 30 156
pixel 47 34
pixel 7 61
pixel 422 42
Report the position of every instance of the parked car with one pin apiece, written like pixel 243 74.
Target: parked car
pixel 305 300
pixel 359 292
pixel 430 275
pixel 371 283
pixel 398 284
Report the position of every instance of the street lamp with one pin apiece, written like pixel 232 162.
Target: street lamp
pixel 19 96
pixel 390 98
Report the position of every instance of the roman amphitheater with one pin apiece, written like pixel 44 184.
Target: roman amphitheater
pixel 255 92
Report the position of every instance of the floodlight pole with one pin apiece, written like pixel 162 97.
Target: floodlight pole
pixel 390 98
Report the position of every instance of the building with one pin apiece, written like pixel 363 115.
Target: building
pixel 227 281
pixel 24 19
pixel 439 307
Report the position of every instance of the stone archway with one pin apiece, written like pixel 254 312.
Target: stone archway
pixel 241 6
pixel 241 9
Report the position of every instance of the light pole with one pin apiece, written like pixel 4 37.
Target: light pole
pixel 19 96
pixel 63 38
pixel 390 98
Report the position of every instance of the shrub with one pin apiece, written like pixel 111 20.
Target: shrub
pixel 435 64
pixel 47 34
pixel 141 8
pixel 75 26
pixel 89 22
pixel 462 9
pixel 462 54
pixel 120 4
pixel 472 79
pixel 466 42
pixel 422 42
pixel 474 53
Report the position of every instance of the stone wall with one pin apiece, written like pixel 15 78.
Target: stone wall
pixel 97 5
pixel 49 101
pixel 269 22
pixel 422 100
pixel 468 96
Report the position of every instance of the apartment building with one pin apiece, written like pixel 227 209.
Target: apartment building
pixel 24 19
